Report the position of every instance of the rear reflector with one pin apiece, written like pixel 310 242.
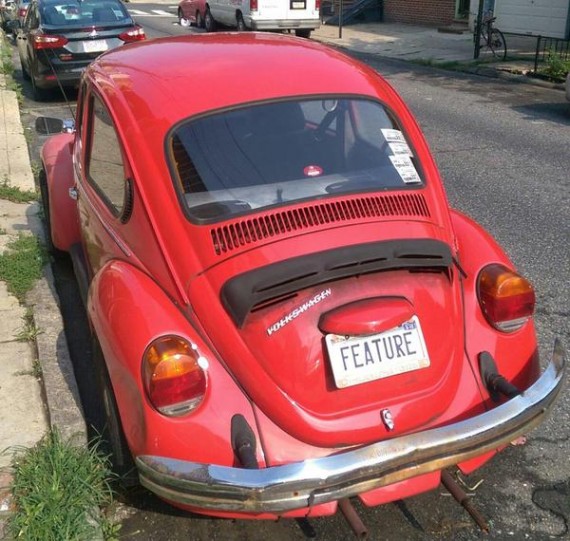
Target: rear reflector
pixel 174 375
pixel 48 41
pixel 136 34
pixel 506 298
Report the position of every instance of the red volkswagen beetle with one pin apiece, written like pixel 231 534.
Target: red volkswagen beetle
pixel 285 310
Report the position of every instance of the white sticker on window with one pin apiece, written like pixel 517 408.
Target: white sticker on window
pixel 400 149
pixel 406 169
pixel 393 136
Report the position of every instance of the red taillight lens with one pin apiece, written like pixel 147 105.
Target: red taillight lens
pixel 136 34
pixel 506 298
pixel 174 375
pixel 317 4
pixel 253 5
pixel 48 41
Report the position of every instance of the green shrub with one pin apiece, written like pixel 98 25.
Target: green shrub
pixel 58 491
pixel 556 67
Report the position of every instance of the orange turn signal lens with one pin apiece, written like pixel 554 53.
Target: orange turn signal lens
pixel 506 298
pixel 174 374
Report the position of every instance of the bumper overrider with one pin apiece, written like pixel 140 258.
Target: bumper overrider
pixel 315 481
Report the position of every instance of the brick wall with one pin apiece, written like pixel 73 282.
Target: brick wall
pixel 425 12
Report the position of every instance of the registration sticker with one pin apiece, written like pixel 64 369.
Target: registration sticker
pixel 359 359
pixel 406 169
pixel 393 136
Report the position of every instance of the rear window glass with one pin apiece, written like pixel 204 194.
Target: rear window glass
pixel 274 154
pixel 73 13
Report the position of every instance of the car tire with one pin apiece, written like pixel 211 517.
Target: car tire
pixel 107 422
pixel 209 22
pixel 40 94
pixel 240 23
pixel 303 33
pixel 25 72
pixel 183 21
pixel 44 194
pixel 199 20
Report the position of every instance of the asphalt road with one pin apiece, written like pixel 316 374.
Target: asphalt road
pixel 503 150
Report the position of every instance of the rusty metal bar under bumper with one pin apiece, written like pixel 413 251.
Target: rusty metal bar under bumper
pixel 314 481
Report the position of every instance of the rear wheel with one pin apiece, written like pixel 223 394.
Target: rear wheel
pixel 497 44
pixel 209 22
pixel 303 33
pixel 25 73
pixel 40 94
pixel 183 21
pixel 240 23
pixel 108 423
pixel 199 20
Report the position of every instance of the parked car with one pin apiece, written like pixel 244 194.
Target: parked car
pixel 300 16
pixel 22 9
pixel 286 312
pixel 191 12
pixel 7 13
pixel 59 38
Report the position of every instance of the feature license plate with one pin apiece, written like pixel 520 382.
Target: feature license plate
pixel 358 359
pixel 95 46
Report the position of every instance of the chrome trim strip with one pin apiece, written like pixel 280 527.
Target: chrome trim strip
pixel 315 481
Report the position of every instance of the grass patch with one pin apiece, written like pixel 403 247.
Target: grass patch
pixel 58 491
pixel 7 68
pixel 15 194
pixel 556 68
pixel 21 264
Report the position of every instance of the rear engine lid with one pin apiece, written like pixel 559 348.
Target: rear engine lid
pixel 325 343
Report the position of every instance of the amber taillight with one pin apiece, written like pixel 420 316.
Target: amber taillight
pixel 506 298
pixel 174 375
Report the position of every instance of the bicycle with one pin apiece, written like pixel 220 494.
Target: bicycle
pixel 492 38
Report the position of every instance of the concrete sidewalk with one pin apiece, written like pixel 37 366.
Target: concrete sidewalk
pixel 37 386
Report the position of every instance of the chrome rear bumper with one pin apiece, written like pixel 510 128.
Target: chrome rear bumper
pixel 311 482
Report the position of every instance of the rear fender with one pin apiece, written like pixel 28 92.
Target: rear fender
pixel 128 311
pixel 57 159
pixel 516 352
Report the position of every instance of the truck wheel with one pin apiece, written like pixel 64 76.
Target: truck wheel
pixel 240 23
pixel 199 20
pixel 303 33
pixel 209 22
pixel 183 21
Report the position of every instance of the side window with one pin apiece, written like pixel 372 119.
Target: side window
pixel 105 168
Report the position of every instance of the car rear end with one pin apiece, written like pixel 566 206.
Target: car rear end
pixel 286 15
pixel 71 35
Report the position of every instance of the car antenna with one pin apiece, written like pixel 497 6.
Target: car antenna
pixel 67 101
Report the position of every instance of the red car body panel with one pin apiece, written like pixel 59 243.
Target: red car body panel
pixel 57 157
pixel 158 273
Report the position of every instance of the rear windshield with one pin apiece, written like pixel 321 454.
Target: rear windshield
pixel 272 154
pixel 74 13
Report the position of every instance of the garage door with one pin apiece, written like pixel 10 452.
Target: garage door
pixel 537 17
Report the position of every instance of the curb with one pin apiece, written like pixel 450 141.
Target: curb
pixel 60 386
